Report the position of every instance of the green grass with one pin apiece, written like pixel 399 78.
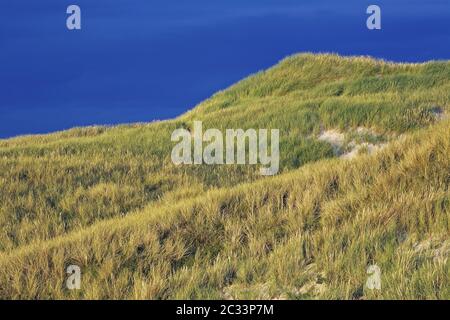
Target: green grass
pixel 110 200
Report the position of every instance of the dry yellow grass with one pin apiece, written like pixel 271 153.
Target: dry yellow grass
pixel 110 201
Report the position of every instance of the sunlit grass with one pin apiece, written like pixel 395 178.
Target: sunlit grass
pixel 110 200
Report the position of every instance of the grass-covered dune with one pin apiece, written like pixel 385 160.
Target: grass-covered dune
pixel 110 200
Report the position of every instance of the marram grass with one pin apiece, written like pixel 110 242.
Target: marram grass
pixel 111 201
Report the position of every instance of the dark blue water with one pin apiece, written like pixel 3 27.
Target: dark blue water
pixel 139 60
